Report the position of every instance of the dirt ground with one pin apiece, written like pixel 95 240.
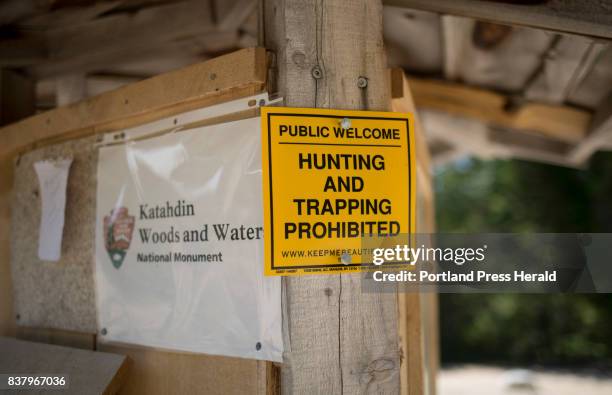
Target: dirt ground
pixel 481 380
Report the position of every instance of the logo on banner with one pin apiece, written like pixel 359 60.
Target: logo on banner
pixel 118 230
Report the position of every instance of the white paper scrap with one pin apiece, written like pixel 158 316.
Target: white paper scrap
pixel 53 178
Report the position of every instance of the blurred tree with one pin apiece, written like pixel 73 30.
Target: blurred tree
pixel 474 196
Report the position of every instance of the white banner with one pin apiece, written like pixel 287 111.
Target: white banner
pixel 179 244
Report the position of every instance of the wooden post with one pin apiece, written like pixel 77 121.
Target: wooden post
pixel 16 102
pixel 337 339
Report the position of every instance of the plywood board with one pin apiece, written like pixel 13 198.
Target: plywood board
pixel 228 77
pixel 164 372
pixel 55 294
pixel 89 372
pixel 239 74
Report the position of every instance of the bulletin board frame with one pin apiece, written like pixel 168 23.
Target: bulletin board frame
pixel 240 74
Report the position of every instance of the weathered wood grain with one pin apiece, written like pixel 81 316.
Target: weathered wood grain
pixel 166 372
pixel 338 339
pixel 600 134
pixel 416 379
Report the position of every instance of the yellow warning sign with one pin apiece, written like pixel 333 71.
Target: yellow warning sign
pixel 329 178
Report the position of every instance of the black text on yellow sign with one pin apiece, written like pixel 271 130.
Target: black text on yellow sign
pixel 329 177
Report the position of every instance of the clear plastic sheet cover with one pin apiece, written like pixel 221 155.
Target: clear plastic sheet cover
pixel 179 245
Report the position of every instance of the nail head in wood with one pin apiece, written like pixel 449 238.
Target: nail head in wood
pixel 362 82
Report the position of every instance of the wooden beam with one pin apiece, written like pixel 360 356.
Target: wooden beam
pixel 123 37
pixel 530 147
pixel 452 137
pixel 589 18
pixel 403 101
pixel 338 339
pixel 558 122
pixel 600 134
pixel 419 357
pixel 238 74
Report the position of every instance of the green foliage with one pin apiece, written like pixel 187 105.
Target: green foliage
pixel 475 196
